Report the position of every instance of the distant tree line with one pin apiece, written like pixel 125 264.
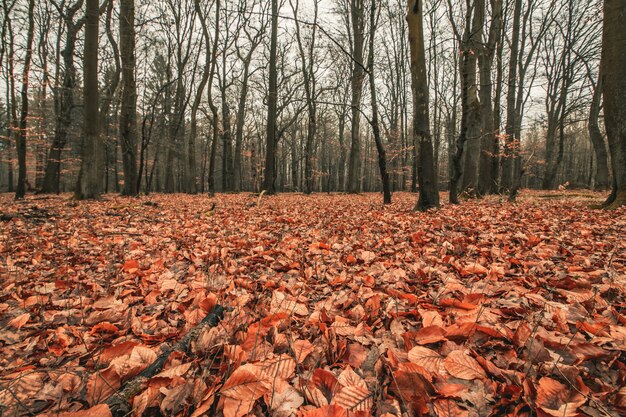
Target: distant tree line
pixel 472 96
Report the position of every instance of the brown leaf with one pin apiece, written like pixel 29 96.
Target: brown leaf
pixel 246 383
pixel 326 411
pixel 556 399
pixel 283 400
pixel 462 366
pixel 449 408
pixel 237 408
pixel 427 358
pixel 353 394
pixel 20 321
pixel 101 410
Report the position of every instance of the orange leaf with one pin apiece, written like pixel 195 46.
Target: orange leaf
pixel 556 399
pixel 237 408
pixel 414 388
pixel 449 302
pixel 245 384
pixel 282 366
pixel 101 410
pixel 283 400
pixel 353 394
pixel 462 366
pixel 104 327
pixel 475 268
pixel 430 334
pixel 449 408
pixel 326 411
pixel 131 266
pixel 112 352
pixel 427 359
pixel 19 321
pixel 102 384
pixel 302 349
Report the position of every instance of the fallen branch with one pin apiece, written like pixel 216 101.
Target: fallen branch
pixel 119 402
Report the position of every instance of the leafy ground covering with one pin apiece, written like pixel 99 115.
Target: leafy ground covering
pixel 336 306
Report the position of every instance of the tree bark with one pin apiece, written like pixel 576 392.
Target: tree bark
pixel 269 179
pixel 21 137
pixel 427 177
pixel 90 177
pixel 488 169
pixel 472 47
pixel 64 100
pixel 358 77
pixel 128 116
pixel 382 155
pixel 469 107
pixel 597 139
pixel 511 145
pixel 614 82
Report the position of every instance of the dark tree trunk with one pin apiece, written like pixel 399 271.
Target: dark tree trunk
pixel 382 155
pixel 89 183
pixel 269 179
pixel 597 139
pixel 128 116
pixel 64 101
pixel 358 77
pixel 614 82
pixel 427 176
pixel 20 191
pixel 469 110
pixel 511 150
pixel 488 169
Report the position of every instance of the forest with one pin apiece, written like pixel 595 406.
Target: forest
pixel 190 93
pixel 313 208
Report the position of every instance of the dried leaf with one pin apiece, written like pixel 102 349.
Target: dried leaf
pixel 462 366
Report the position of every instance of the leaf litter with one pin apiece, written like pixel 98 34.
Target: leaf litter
pixel 337 306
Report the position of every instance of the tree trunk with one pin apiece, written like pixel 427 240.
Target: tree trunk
pixel 511 150
pixel 272 108
pixel 90 178
pixel 469 107
pixel 128 116
pixel 472 47
pixel 488 169
pixel 227 151
pixel 64 102
pixel 214 113
pixel 597 139
pixel 427 177
pixel 20 141
pixel 614 82
pixel 358 77
pixel 239 127
pixel 382 155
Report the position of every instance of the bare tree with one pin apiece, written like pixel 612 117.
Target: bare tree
pixel 382 154
pixel 89 185
pixel 269 180
pixel 357 23
pixel 427 176
pixel 20 142
pixel 64 95
pixel 128 115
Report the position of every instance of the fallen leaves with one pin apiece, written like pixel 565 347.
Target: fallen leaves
pixel 19 321
pixel 246 383
pixel 460 365
pixel 337 308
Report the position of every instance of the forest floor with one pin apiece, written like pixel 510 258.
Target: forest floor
pixel 336 306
